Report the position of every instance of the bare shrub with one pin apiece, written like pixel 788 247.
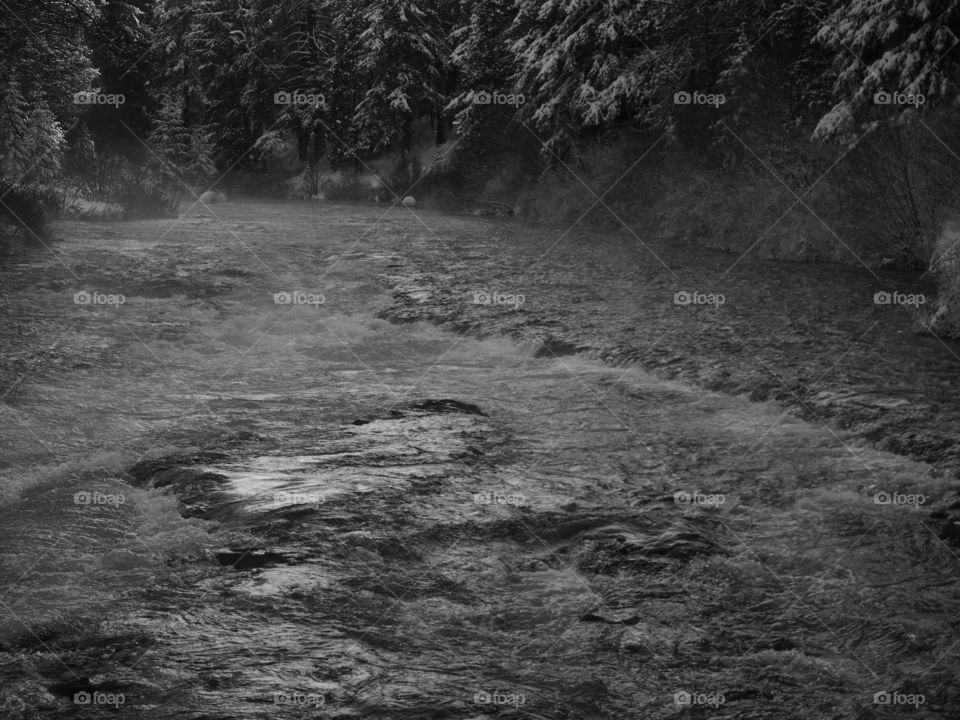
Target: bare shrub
pixel 895 183
pixel 348 189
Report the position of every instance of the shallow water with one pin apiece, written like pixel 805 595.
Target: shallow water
pixel 217 506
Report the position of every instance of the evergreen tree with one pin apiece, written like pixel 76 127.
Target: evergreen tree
pixel 402 61
pixel 44 63
pixel 903 47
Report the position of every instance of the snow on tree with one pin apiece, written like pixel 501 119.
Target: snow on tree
pixel 402 59
pixel 893 56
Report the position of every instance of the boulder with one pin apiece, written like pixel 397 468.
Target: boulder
pixel 409 201
pixel 212 196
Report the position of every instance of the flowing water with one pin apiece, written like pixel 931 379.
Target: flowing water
pixel 220 502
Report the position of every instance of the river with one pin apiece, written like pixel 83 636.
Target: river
pixel 284 460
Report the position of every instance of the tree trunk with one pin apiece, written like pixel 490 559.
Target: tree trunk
pixel 441 130
pixel 303 145
pixel 406 141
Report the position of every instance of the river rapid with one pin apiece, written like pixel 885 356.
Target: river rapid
pixel 289 460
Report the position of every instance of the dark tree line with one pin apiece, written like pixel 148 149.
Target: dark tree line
pixel 200 78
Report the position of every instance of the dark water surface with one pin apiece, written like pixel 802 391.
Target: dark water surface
pixel 218 506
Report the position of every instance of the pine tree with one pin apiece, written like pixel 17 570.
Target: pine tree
pixel 888 51
pixel 44 62
pixel 402 59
